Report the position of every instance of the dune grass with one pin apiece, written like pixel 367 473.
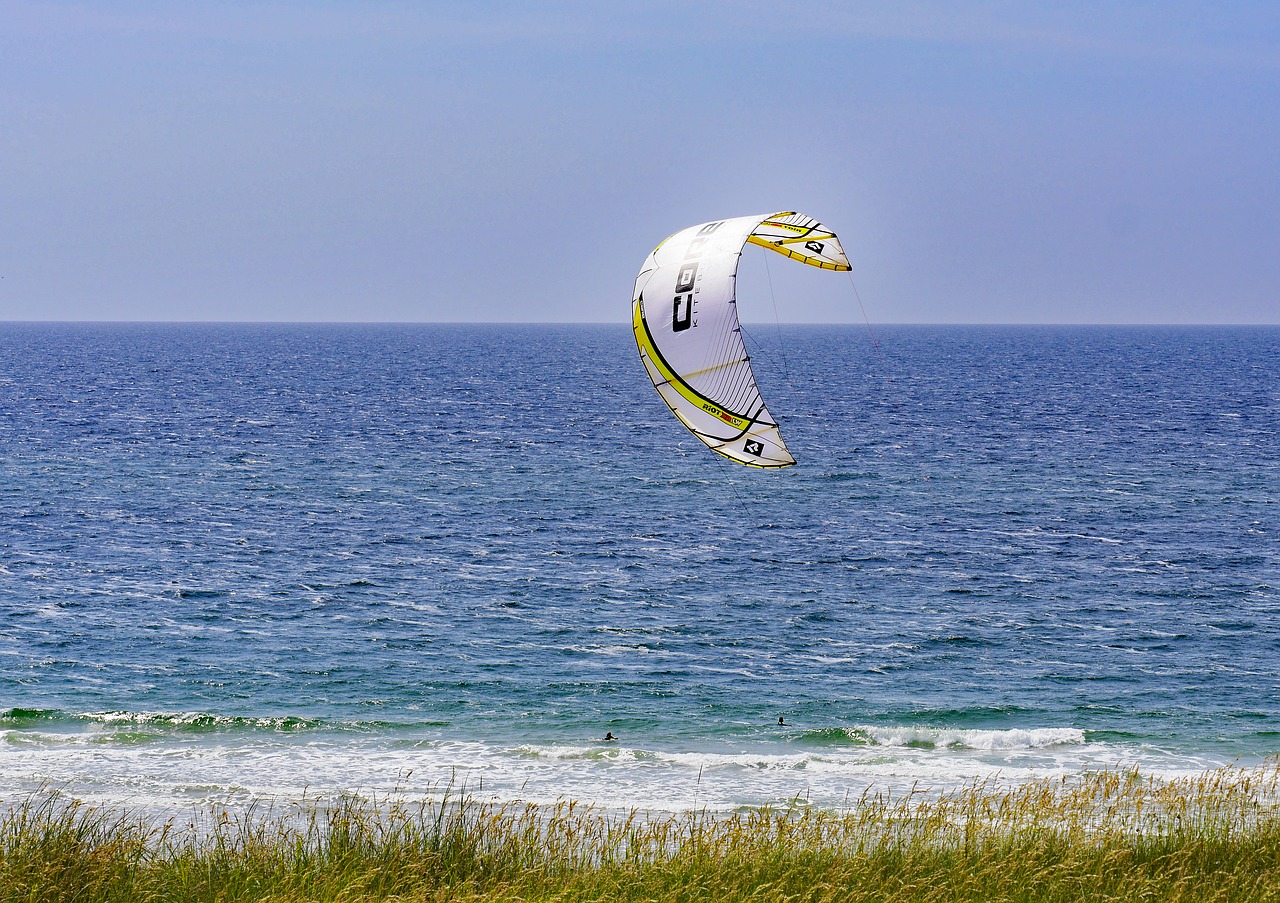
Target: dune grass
pixel 1103 836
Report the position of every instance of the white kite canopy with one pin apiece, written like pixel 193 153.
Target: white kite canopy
pixel 685 318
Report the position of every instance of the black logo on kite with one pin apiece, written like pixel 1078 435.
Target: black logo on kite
pixel 753 447
pixel 682 308
pixel 814 246
pixel 682 313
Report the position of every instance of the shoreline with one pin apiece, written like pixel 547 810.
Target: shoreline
pixel 1144 792
pixel 177 780
pixel 152 765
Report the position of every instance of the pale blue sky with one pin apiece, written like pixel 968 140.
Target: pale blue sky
pixel 984 162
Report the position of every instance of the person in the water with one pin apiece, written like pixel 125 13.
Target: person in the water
pixel 609 737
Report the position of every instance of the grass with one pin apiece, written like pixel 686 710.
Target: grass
pixel 1103 836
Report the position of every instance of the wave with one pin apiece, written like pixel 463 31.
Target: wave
pixel 923 737
pixel 201 722
pixel 826 748
pixel 162 724
pixel 1007 740
pixel 139 724
pixel 27 717
pixel 159 724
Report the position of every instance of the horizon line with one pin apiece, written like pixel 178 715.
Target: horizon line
pixel 619 323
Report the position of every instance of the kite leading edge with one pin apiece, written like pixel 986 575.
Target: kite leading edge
pixel 685 318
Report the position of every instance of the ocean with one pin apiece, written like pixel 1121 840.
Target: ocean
pixel 272 562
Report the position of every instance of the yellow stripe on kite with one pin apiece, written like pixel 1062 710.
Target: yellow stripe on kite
pixel 650 350
pixel 787 252
pixel 813 236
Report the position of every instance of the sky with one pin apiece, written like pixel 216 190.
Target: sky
pixel 985 162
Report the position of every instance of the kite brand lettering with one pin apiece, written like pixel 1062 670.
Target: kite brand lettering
pixel 685 306
pixel 682 311
pixel 723 415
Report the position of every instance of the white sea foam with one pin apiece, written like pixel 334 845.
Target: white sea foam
pixel 172 775
pixel 1013 739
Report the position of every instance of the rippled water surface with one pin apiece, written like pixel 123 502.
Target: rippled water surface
pixel 247 560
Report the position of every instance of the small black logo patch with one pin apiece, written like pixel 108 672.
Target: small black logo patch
pixel 814 246
pixel 753 447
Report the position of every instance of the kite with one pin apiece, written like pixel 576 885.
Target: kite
pixel 685 317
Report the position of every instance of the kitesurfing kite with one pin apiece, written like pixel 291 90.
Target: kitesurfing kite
pixel 685 317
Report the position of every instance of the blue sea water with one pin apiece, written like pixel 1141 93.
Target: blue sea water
pixel 264 561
